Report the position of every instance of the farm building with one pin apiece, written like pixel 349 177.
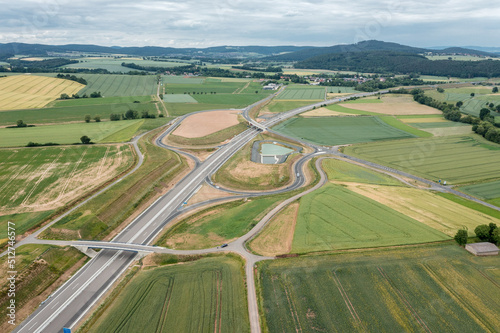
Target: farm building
pixel 482 249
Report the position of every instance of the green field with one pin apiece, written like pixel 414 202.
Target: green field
pixel 282 106
pixel 334 218
pixel 438 125
pixel 218 225
pixel 456 159
pixel 38 267
pixel 347 172
pixel 340 130
pixel 486 191
pixel 208 87
pixel 179 98
pixel 70 133
pixel 172 79
pixel 418 289
pixel 207 295
pixel 75 110
pixel 119 85
pixel 114 64
pixel 341 90
pixel 343 109
pixel 302 94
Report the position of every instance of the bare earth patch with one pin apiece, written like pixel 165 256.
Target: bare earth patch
pixel 277 236
pixel 206 123
pixel 322 112
pixel 207 192
pixel 399 105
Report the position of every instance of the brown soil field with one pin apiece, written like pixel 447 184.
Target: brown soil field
pixel 277 237
pixel 207 192
pixel 203 124
pixel 393 105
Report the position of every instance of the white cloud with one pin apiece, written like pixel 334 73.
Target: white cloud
pixel 241 22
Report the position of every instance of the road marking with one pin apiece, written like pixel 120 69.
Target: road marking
pixel 53 306
pixel 76 294
pixel 76 285
pixel 33 325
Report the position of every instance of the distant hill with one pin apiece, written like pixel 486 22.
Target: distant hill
pixel 44 50
pixel 401 63
pixel 364 46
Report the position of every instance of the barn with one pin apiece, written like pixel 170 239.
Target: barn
pixel 482 249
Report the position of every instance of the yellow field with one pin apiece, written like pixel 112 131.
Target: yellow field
pixel 424 120
pixel 30 91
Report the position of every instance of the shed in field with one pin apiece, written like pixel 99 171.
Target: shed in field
pixel 482 249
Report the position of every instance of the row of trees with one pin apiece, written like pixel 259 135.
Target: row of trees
pixel 95 94
pixel 72 78
pixel 131 114
pixel 485 232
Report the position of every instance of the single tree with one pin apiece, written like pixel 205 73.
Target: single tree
pixel 493 227
pixel 21 123
pixel 87 118
pixel 472 94
pixel 461 237
pixel 494 90
pixel 440 90
pixel 496 236
pixel 85 140
pixel 65 96
pixel 483 113
pixel 97 119
pixel 482 232
pixel 459 104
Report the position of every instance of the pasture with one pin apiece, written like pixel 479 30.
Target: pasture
pixel 302 94
pixel 38 179
pixel 70 133
pixel 30 91
pixel 340 130
pixel 207 295
pixel 418 289
pixel 119 85
pixel 334 218
pixel 456 159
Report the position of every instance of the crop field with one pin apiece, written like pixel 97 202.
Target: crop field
pixel 172 79
pixel 218 225
pixel 282 106
pixel 38 267
pixel 30 91
pixel 114 65
pixel 341 90
pixel 456 159
pixel 302 94
pixel 206 87
pixel 392 105
pixel 179 98
pixel 341 171
pixel 207 295
pixel 426 207
pixel 340 130
pixel 101 215
pixel 75 110
pixel 334 218
pixel 70 133
pixel 35 179
pixel 486 191
pixel 433 289
pixel 23 222
pixel 119 85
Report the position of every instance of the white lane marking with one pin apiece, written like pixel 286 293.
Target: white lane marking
pixel 53 306
pixel 195 178
pixel 76 285
pixel 33 325
pixel 76 294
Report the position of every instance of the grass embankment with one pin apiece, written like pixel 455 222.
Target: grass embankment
pixel 40 270
pixel 243 174
pixel 211 139
pixel 206 295
pixel 383 290
pixel 100 216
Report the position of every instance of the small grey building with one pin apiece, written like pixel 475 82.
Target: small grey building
pixel 482 249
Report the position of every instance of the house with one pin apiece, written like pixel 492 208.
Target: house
pixel 482 249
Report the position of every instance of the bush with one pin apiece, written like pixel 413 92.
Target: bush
pixel 483 232
pixel 461 237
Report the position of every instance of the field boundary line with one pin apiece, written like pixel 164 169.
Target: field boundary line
pixel 72 173
pixel 346 298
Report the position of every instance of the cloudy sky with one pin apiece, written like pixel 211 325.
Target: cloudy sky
pixel 201 23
